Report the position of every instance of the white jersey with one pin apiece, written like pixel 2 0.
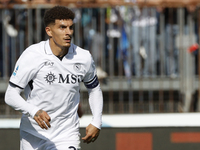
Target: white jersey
pixel 52 85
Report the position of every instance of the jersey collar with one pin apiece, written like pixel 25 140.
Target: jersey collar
pixel 49 52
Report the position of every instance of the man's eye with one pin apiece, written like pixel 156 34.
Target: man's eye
pixel 71 27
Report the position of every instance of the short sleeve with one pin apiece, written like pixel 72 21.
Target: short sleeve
pixel 25 69
pixel 91 80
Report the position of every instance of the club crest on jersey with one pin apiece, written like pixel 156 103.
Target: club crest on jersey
pixel 15 72
pixel 77 67
pixel 50 78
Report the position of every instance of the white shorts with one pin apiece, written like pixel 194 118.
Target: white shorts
pixel 31 142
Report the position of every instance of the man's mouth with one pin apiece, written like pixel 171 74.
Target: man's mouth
pixel 67 40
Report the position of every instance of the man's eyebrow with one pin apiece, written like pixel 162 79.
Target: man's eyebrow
pixel 62 25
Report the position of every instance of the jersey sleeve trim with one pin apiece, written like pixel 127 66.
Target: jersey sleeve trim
pixel 92 83
pixel 15 85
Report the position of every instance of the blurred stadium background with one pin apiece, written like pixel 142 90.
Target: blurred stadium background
pixel 146 53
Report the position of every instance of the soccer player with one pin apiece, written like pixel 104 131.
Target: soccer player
pixel 50 73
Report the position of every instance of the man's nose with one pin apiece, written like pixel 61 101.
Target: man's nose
pixel 68 31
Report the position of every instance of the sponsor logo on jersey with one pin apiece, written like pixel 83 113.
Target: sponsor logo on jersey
pixel 15 72
pixel 77 67
pixel 48 63
pixel 67 79
pixel 50 78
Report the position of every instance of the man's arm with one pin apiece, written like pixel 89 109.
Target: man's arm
pixel 15 100
pixel 96 105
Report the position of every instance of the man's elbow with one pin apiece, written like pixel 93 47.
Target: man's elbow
pixel 7 97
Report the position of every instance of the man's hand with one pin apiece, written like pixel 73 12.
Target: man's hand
pixel 92 134
pixel 43 119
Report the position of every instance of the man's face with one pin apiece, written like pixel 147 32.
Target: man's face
pixel 61 32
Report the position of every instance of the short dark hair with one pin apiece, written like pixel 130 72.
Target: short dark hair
pixel 57 12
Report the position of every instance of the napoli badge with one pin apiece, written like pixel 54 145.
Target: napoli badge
pixel 77 67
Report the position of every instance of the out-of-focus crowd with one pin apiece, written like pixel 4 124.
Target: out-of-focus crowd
pixel 98 3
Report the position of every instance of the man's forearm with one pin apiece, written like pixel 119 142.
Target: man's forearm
pixel 96 105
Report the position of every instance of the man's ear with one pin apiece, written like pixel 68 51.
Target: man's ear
pixel 48 31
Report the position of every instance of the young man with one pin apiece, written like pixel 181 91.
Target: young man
pixel 50 73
